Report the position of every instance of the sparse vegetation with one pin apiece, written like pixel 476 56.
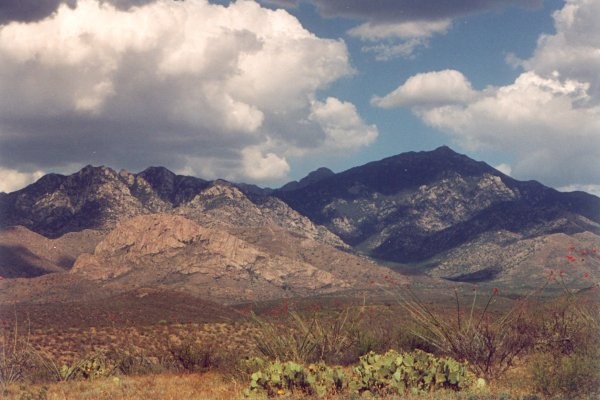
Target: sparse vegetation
pixel 312 336
pixel 275 378
pixel 15 353
pixel 551 344
pixel 415 372
pixel 489 340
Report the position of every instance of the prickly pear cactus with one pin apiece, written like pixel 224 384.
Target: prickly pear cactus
pixel 416 372
pixel 279 378
pixel 89 368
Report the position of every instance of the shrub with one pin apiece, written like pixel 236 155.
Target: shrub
pixel 311 338
pixel 193 356
pixel 488 341
pixel 89 368
pixel 567 324
pixel 417 372
pixel 569 376
pixel 135 363
pixel 29 393
pixel 15 354
pixel 567 358
pixel 279 378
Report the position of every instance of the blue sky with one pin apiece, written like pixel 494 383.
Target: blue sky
pixel 264 92
pixel 476 45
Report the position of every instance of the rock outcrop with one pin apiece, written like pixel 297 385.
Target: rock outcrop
pixel 170 250
pixel 438 211
pixel 416 206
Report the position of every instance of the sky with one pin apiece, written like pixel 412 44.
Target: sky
pixel 266 91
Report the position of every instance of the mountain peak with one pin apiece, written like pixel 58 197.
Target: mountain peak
pixel 313 177
pixel 101 169
pixel 158 172
pixel 317 175
pixel 443 150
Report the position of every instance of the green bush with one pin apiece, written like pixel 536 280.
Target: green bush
pixel 95 366
pixel 279 378
pixel 417 371
pixel 379 374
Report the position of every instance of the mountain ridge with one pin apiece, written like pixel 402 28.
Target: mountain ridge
pixel 412 206
pixel 417 208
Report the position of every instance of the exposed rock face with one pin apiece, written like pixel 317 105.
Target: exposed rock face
pixel 79 209
pixel 98 197
pixel 169 250
pixel 94 198
pixel 414 206
pixel 437 207
pixel 225 206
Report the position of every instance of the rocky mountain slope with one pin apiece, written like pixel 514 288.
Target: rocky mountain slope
pixel 416 206
pixel 158 231
pixel 171 251
pixel 435 212
pixel 509 260
pixel 98 197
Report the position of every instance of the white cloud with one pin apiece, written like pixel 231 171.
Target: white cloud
pixel 14 180
pixel 397 28
pixel 263 167
pixel 173 83
pixel 549 118
pixel 342 124
pixel 506 169
pixel 574 49
pixel 398 39
pixel 592 189
pixel 429 88
pixel 401 30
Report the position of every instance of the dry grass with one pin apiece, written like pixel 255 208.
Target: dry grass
pixel 382 326
pixel 208 385
pixel 217 386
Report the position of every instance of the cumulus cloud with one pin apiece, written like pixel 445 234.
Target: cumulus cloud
pixel 342 124
pixel 573 51
pixel 13 180
pixel 217 91
pixel 429 89
pixel 261 166
pixel 549 117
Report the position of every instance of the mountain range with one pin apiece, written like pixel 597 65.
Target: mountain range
pixel 436 215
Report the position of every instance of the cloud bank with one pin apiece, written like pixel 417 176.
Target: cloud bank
pixel 201 88
pixel 549 117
